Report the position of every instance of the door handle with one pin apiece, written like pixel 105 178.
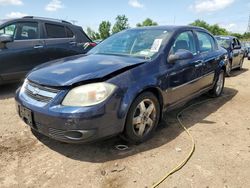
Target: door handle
pixel 38 46
pixel 198 61
pixel 199 65
pixel 72 43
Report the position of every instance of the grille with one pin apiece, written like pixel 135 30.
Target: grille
pixel 40 93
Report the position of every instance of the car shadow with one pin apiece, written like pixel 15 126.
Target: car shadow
pixel 8 91
pixel 103 151
pixel 235 72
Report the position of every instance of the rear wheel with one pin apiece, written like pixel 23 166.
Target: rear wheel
pixel 143 118
pixel 219 85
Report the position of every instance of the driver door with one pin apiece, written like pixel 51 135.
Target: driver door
pixel 23 53
pixel 183 74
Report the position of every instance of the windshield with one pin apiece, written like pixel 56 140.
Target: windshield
pixel 224 42
pixel 1 29
pixel 143 43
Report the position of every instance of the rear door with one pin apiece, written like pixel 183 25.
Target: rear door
pixel 241 52
pixel 60 41
pixel 210 58
pixel 236 53
pixel 24 53
pixel 183 74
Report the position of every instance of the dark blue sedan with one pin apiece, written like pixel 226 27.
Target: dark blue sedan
pixel 122 86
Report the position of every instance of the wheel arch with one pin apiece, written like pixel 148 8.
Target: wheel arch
pixel 222 65
pixel 154 90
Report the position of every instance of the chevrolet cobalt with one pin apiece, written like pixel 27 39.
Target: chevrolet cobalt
pixel 122 86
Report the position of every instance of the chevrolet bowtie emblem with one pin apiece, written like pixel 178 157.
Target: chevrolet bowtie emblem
pixel 35 91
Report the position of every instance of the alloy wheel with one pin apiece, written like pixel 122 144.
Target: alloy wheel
pixel 219 84
pixel 229 68
pixel 144 117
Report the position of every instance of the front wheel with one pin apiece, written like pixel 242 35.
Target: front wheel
pixel 241 64
pixel 142 119
pixel 219 85
pixel 229 68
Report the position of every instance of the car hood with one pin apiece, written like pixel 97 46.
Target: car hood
pixel 74 69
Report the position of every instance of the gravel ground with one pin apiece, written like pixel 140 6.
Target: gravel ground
pixel 221 129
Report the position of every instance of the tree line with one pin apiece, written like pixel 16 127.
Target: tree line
pixel 121 22
pixel 217 30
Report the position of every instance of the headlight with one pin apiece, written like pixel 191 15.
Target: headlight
pixel 88 95
pixel 226 57
pixel 24 86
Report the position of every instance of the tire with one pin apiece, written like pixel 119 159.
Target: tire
pixel 218 86
pixel 229 69
pixel 241 64
pixel 142 119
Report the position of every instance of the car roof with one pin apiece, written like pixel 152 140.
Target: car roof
pixel 30 18
pixel 5 20
pixel 171 27
pixel 225 37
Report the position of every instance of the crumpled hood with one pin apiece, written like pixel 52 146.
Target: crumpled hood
pixel 74 69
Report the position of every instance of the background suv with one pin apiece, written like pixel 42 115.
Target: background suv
pixel 30 41
pixel 235 52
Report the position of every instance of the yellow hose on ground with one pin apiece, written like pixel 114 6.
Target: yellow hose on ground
pixel 179 166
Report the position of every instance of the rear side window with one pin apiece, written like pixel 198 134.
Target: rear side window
pixel 206 42
pixel 55 31
pixel 69 33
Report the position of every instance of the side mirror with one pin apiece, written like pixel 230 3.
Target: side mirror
pixel 180 55
pixel 237 47
pixel 6 38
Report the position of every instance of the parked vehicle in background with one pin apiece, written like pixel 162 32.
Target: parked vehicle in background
pixel 124 85
pixel 30 41
pixel 235 52
pixel 98 41
pixel 245 47
pixel 248 54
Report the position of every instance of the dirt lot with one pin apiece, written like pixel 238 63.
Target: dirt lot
pixel 221 129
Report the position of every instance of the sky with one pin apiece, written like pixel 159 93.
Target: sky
pixel 230 14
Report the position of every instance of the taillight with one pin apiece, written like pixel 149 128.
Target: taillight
pixel 92 44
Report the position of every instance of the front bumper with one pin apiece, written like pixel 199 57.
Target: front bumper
pixel 73 124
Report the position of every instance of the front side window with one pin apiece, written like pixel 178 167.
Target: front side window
pixel 184 41
pixel 206 42
pixel 27 31
pixel 238 42
pixel 8 30
pixel 22 30
pixel 142 43
pixel 55 31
